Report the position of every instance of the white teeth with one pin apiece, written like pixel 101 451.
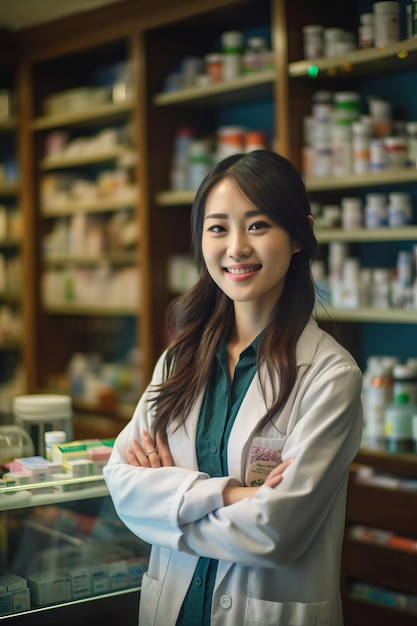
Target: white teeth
pixel 242 270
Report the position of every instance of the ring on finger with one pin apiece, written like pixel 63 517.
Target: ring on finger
pixel 152 450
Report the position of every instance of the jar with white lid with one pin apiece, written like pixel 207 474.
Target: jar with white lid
pixel 232 48
pixel 253 57
pixel 331 37
pixel 322 146
pixel 341 138
pixel 346 106
pixel 396 152
pixel 229 140
pixel 199 162
pixel 376 210
pixel 380 112
pixel 386 22
pixel 377 155
pixel 381 288
pixel 313 41
pixel 361 133
pixel 351 213
pixel 366 32
pixel 53 437
pixel 400 212
pixel 411 135
pixel 332 216
pixel 322 105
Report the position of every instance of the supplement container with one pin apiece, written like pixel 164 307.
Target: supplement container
pixel 396 152
pixel 322 147
pixel 379 396
pixel 376 210
pixel 15 442
pixel 361 133
pixel 377 155
pixel 400 212
pixel 331 38
pixel 366 32
pixel 346 106
pixel 322 105
pixel 313 41
pixel 380 112
pixel 51 438
pixel 199 162
pixel 253 57
pixel 351 213
pixel 214 67
pixel 381 288
pixel 398 425
pixel 37 413
pixel 386 22
pixel 405 381
pixel 254 140
pixel 230 140
pixel 232 47
pixel 341 138
pixel 411 136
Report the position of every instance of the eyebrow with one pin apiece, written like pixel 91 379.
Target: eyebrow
pixel 224 216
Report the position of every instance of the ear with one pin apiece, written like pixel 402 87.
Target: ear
pixel 295 246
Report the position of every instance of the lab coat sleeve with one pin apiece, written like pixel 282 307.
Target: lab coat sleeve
pixel 147 499
pixel 278 525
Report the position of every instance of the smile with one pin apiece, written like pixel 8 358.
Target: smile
pixel 243 270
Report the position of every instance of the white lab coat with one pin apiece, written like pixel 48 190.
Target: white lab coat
pixel 279 552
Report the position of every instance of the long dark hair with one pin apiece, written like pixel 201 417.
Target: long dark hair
pixel 199 318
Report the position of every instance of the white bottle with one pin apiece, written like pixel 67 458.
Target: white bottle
pixel 53 437
pixel 380 395
pixel 361 134
pixel 386 22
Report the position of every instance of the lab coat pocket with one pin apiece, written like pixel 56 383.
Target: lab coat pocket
pixel 262 612
pixel 150 592
pixel 265 454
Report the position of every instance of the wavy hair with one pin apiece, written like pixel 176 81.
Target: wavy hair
pixel 202 316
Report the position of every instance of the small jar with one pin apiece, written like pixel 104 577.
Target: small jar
pixel 396 152
pixel 346 106
pixel 313 41
pixel 377 155
pixel 232 48
pixel 214 67
pixel 366 31
pixel 253 57
pixel 380 112
pixel 411 130
pixel 53 437
pixel 400 212
pixel 351 213
pixel 386 22
pixel 254 140
pixel 230 140
pixel 361 133
pixel 376 210
pixel 332 216
pixel 341 149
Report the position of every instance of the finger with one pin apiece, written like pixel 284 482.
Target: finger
pixel 150 449
pixel 139 453
pixel 131 458
pixel 164 452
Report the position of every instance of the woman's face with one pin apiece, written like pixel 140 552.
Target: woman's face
pixel 246 253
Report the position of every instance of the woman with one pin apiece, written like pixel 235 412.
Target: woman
pixel 235 463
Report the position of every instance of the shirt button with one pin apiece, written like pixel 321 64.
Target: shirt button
pixel 214 448
pixel 225 602
pixel 198 582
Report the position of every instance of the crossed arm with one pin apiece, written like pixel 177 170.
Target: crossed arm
pixel 155 453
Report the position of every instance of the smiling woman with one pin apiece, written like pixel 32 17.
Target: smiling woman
pixel 235 463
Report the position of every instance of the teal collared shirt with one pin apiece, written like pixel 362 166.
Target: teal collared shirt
pixel 220 406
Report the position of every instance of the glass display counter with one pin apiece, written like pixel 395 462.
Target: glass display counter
pixel 65 556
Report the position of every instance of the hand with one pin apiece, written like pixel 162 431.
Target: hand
pixel 235 494
pixel 149 452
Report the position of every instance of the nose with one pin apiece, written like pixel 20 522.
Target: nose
pixel 238 246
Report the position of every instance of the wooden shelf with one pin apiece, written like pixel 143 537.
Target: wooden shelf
pixel 402 233
pixel 111 258
pixel 100 113
pixel 355 181
pixel 99 205
pixel 96 310
pixel 393 57
pixel 87 158
pixel 257 86
pixel 367 314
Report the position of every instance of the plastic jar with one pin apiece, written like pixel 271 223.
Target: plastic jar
pixel 400 212
pixel 199 162
pixel 253 57
pixel 313 41
pixel 380 112
pixel 254 140
pixel 396 152
pixel 377 155
pixel 322 147
pixel 232 48
pixel 361 133
pixel 230 140
pixel 411 135
pixel 332 216
pixel 331 38
pixel 380 395
pixel 346 106
pixel 376 210
pixel 386 22
pixel 341 137
pixel 366 32
pixel 38 413
pixel 405 381
pixel 214 66
pixel 322 105
pixel 351 213
pixel 51 438
pixel 398 425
